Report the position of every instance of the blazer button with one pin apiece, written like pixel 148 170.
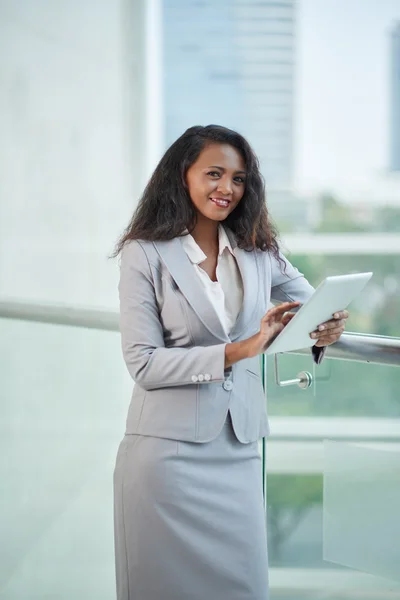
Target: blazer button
pixel 194 378
pixel 227 385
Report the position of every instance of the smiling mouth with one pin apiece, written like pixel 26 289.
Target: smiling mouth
pixel 220 202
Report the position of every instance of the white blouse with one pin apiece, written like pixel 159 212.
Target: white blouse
pixel 225 294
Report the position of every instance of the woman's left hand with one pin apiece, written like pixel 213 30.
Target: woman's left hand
pixel 329 332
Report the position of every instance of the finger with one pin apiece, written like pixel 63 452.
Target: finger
pixel 281 309
pixel 287 317
pixel 286 306
pixel 326 334
pixel 331 324
pixel 341 314
pixel 331 333
pixel 328 340
pixel 319 344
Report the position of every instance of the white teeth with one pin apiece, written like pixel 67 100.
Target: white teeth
pixel 220 203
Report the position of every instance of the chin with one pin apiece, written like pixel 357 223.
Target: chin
pixel 218 215
pixel 217 218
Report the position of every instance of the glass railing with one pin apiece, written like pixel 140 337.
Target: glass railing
pixel 333 473
pixel 333 483
pixel 64 398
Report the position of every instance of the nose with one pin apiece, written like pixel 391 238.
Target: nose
pixel 225 186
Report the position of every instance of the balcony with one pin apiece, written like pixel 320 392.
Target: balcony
pixel 331 465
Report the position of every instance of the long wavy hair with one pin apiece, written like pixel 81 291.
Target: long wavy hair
pixel 165 209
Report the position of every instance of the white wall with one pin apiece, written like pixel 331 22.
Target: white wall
pixel 71 140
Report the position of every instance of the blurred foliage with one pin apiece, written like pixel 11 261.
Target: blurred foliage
pixel 335 217
pixel 289 498
pixel 341 388
pixel 388 219
pixel 345 388
pixel 378 309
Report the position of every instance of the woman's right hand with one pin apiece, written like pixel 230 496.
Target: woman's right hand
pixel 271 325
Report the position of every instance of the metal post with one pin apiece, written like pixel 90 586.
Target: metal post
pixel 264 440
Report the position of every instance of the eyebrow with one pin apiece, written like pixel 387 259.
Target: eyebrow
pixel 222 169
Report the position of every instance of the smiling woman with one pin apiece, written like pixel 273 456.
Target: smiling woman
pixel 205 163
pixel 200 263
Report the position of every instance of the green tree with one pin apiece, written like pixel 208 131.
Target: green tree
pixel 335 217
pixel 289 498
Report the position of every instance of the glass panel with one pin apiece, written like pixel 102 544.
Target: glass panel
pixel 65 393
pixel 361 508
pixel 354 402
pixel 340 389
pixel 298 559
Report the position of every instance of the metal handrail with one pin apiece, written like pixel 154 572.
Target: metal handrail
pixel 60 314
pixel 356 347
pixel 376 349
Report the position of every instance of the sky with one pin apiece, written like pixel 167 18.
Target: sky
pixel 342 105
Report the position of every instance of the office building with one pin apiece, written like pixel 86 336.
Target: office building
pixel 232 62
pixel 394 124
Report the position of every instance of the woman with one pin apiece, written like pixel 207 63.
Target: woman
pixel 200 263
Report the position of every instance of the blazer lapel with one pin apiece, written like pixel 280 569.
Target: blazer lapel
pixel 181 269
pixel 248 267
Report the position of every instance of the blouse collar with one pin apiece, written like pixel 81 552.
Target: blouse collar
pixel 196 254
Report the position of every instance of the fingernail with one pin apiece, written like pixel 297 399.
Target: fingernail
pixel 321 327
pixel 336 315
pixel 313 335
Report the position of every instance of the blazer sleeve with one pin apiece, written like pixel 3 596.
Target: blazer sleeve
pixel 150 364
pixel 289 285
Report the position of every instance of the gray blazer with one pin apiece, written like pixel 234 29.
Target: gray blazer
pixel 173 342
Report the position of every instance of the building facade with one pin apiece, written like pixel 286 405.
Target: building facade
pixel 394 124
pixel 232 62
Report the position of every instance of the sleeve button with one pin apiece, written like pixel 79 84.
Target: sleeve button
pixel 194 378
pixel 207 376
pixel 201 377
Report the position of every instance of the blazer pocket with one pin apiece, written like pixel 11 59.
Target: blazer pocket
pixel 252 374
pixel 254 386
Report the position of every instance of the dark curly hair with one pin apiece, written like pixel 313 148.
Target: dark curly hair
pixel 165 209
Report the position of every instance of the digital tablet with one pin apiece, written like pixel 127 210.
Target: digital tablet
pixel 332 295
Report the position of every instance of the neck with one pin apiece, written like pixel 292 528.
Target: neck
pixel 205 234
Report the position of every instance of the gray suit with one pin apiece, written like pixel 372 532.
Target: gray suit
pixel 173 341
pixel 189 516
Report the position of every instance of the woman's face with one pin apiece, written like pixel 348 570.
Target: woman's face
pixel 217 181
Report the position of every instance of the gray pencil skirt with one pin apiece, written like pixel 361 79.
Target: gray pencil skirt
pixel 189 521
